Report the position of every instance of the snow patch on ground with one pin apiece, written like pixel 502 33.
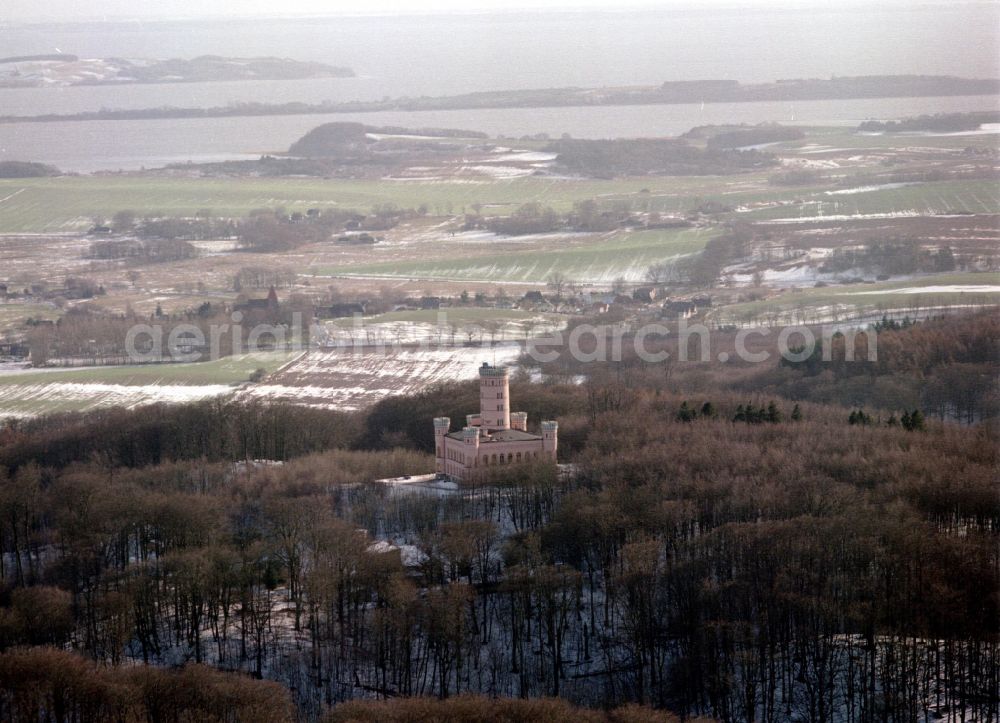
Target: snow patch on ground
pixel 500 172
pixel 912 213
pixel 809 163
pixel 526 157
pixel 410 555
pixel 949 289
pixel 869 189
pixel 986 129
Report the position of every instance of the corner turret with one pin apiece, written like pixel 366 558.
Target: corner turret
pixel 550 438
pixel 442 425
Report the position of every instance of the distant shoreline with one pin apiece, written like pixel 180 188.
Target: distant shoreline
pixel 65 70
pixel 670 93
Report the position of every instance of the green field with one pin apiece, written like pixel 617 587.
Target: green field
pixel 619 254
pixel 71 202
pixel 949 197
pixel 844 302
pixel 841 137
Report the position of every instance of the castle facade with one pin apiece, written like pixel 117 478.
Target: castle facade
pixel 495 436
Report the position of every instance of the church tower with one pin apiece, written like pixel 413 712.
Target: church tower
pixel 494 397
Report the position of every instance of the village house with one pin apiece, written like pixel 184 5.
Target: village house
pixel 341 310
pixel 495 436
pixel 535 301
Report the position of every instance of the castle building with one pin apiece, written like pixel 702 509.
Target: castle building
pixel 495 436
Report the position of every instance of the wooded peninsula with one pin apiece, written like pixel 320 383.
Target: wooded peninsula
pixel 669 93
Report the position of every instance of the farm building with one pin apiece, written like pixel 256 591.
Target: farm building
pixel 645 294
pixel 495 436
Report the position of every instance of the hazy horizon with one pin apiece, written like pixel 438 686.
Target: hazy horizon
pixel 63 11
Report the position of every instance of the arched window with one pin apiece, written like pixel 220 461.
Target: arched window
pixel 518 456
pixel 494 459
pixel 510 457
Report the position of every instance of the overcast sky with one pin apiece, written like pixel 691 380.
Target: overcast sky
pixel 20 10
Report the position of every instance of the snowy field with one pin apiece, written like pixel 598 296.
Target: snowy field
pixel 24 400
pixel 443 326
pixel 349 380
pixel 26 391
pixel 344 379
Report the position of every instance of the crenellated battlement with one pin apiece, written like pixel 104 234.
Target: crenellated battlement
pixel 491 371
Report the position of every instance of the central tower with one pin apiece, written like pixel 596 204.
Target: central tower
pixel 494 397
